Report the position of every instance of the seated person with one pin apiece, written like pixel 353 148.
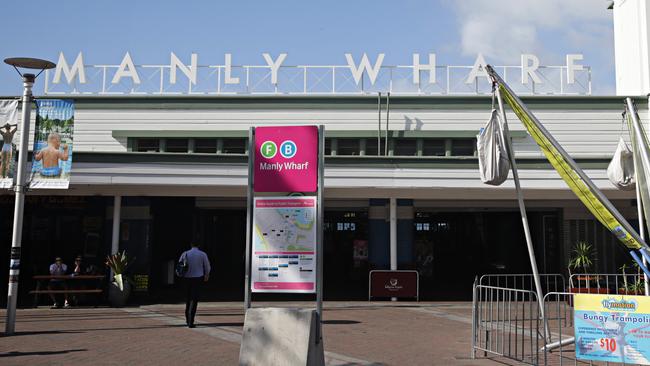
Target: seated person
pixel 58 268
pixel 79 268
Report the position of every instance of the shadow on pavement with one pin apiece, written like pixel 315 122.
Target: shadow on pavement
pixel 235 324
pixel 28 333
pixel 340 322
pixel 41 353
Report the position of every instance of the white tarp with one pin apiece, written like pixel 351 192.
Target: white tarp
pixel 492 155
pixel 621 169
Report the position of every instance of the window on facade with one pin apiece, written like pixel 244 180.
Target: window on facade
pixel 433 147
pixel 328 146
pixel 371 146
pixel 176 145
pixel 405 147
pixel 347 146
pixel 234 146
pixel 147 145
pixel 422 226
pixel 463 147
pixel 205 146
pixel 346 226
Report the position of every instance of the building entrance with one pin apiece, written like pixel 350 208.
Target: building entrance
pixel 451 248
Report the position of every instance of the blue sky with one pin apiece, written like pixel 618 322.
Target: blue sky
pixel 310 32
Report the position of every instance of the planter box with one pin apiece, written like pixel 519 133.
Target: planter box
pixel 624 292
pixel 590 290
pixel 585 290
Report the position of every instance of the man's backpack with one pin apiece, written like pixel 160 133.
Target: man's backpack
pixel 181 266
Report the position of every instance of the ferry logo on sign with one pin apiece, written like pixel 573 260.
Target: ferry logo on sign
pixel 268 149
pixel 286 159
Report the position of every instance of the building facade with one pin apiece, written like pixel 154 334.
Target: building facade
pixel 178 167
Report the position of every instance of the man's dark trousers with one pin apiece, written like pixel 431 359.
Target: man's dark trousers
pixel 194 285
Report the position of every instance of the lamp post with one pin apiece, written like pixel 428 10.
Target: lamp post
pixel 14 266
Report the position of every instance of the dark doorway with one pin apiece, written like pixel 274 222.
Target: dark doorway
pixel 345 261
pixel 452 248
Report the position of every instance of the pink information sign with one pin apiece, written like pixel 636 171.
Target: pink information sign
pixel 286 159
pixel 284 244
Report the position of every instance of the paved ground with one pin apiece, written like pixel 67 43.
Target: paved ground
pixel 358 333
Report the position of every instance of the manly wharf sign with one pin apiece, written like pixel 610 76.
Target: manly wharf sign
pixel 275 76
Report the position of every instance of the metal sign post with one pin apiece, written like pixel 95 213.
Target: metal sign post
pixel 319 229
pixel 249 217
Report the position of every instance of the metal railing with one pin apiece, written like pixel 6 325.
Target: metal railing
pixel 506 323
pixel 550 282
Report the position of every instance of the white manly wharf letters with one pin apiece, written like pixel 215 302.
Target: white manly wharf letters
pixel 358 75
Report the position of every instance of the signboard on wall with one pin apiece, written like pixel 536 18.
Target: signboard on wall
pixel 399 284
pixel 284 244
pixel 286 159
pixel 612 328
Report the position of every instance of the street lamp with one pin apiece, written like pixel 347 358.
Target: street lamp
pixel 14 266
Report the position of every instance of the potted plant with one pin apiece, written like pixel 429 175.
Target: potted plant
pixel 120 288
pixel 635 288
pixel 582 260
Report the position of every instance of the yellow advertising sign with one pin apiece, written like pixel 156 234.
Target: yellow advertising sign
pixel 569 175
pixel 612 328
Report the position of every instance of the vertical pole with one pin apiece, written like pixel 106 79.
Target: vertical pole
pixel 249 217
pixel 115 235
pixel 387 119
pixel 16 241
pixel 640 144
pixel 393 237
pixel 522 210
pixel 379 124
pixel 639 206
pixel 319 229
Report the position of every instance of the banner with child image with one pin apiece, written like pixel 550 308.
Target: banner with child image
pixel 8 127
pixel 53 137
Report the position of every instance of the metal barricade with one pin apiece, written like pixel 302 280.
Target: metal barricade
pixel 553 282
pixel 506 323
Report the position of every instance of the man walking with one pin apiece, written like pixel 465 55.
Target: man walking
pixel 198 271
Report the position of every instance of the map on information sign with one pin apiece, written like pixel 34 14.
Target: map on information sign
pixel 284 244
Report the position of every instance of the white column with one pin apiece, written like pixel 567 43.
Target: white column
pixel 115 238
pixel 393 234
pixel 631 46
pixel 393 237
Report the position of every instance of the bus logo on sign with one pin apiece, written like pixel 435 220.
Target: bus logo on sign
pixel 288 149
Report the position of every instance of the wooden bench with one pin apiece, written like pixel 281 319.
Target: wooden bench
pixel 97 291
pixel 40 278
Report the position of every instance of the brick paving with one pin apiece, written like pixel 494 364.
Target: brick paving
pixel 355 333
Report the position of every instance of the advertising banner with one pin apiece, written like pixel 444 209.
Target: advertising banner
pixel 583 188
pixel 286 159
pixel 53 140
pixel 284 244
pixel 8 127
pixel 612 328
